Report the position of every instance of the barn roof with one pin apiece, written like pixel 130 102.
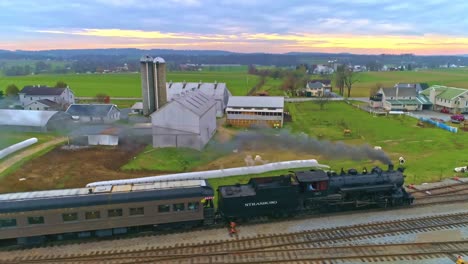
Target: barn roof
pixel 256 101
pixel 42 90
pixel 95 110
pixel 196 102
pixel 213 89
pixel 30 118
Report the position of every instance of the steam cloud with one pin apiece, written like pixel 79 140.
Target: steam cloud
pixel 304 143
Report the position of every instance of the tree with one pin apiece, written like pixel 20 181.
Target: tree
pixel 339 78
pixel 350 77
pixel 322 101
pixel 1 94
pixel 61 84
pixel 11 90
pixel 102 98
pixel 374 89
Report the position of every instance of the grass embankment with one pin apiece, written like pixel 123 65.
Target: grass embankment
pixel 129 84
pixel 430 153
pixel 9 138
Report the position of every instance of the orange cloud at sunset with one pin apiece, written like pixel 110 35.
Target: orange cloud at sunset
pixel 246 42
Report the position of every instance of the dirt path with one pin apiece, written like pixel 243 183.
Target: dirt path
pixel 5 164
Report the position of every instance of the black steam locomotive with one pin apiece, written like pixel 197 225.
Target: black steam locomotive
pixel 35 217
pixel 313 189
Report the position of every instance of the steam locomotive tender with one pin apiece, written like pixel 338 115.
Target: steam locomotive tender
pixel 313 189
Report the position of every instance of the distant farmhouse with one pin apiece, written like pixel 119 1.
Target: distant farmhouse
pixel 401 97
pixel 246 111
pixel 218 91
pixel 453 99
pixel 46 98
pixel 96 113
pixel 317 88
pixel 188 118
pixel 322 69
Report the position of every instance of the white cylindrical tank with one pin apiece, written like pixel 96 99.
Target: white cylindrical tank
pixel 18 146
pixel 199 175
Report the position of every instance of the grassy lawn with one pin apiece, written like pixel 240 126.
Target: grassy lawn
pixel 128 84
pixel 10 138
pixel 430 153
pixel 170 159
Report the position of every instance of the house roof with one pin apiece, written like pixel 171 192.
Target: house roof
pixel 137 106
pixel 402 92
pixel 445 92
pixel 326 82
pixel 403 102
pixel 42 90
pixel 30 118
pixel 256 101
pixel 178 88
pixel 409 85
pixel 95 110
pixel 48 102
pixel 315 85
pixel 197 102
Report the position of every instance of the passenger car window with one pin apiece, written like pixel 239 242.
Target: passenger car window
pixel 164 208
pixel 114 212
pixel 35 220
pixel 70 217
pixel 178 207
pixel 92 215
pixel 7 222
pixel 137 211
pixel 193 206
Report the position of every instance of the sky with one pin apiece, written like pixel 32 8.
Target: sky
pixel 422 27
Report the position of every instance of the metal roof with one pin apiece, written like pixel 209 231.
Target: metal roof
pixel 41 200
pixel 30 118
pixel 97 110
pixel 42 90
pixel 399 92
pixel 445 92
pixel 256 101
pixel 214 89
pixel 197 102
pixel 146 58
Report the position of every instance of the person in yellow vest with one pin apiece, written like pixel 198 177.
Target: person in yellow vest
pixel 460 260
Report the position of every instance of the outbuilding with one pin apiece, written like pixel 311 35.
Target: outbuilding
pixel 33 120
pixel 246 111
pixel 99 113
pixel 186 121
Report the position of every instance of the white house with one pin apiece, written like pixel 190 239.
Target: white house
pixel 61 96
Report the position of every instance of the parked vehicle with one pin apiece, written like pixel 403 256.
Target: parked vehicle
pixel 445 111
pixel 457 118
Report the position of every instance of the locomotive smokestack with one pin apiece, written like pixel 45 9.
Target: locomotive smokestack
pixel 390 167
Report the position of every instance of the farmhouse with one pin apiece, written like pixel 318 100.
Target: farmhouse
pixel 101 113
pixel 246 111
pixel 61 96
pixel 43 104
pixel 32 120
pixel 188 120
pixel 317 88
pixel 400 99
pixel 218 91
pixel 450 98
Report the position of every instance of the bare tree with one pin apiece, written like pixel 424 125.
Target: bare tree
pixel 350 77
pixel 322 101
pixel 339 78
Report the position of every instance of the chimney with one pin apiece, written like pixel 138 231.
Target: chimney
pixel 170 84
pixel 199 84
pixel 184 84
pixel 215 84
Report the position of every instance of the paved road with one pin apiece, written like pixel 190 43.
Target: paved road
pixel 12 160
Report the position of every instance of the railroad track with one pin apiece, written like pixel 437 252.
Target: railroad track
pixel 291 242
pixel 461 187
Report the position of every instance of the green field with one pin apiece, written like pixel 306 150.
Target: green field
pixel 449 77
pixel 431 153
pixel 129 84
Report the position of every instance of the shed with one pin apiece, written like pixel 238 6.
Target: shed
pixel 103 113
pixel 187 121
pixel 254 110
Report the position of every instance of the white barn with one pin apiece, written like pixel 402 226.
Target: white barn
pixel 186 121
pixel 246 111
pixel 218 91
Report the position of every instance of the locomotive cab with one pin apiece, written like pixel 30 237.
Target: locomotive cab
pixel 312 183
